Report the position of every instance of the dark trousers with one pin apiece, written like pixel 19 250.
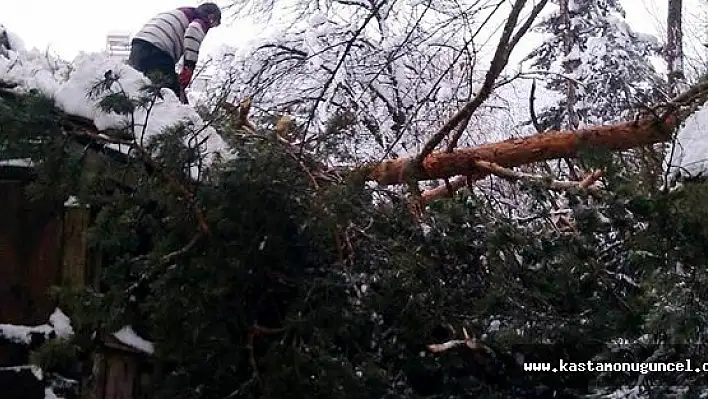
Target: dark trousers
pixel 156 64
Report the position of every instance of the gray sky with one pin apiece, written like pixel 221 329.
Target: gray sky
pixel 69 26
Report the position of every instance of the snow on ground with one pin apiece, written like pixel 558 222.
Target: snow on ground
pixel 59 323
pixel 70 83
pixel 690 154
pixel 23 334
pixel 128 336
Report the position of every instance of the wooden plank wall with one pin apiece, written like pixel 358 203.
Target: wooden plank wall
pixel 11 289
pixel 75 247
pixel 41 245
pixel 118 374
pixel 30 255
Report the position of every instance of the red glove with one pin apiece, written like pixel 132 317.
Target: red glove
pixel 185 77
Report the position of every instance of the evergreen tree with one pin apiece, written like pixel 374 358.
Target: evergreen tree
pixel 313 290
pixel 269 277
pixel 600 65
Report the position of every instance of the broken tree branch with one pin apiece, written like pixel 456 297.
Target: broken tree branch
pixel 240 114
pixel 585 185
pixel 516 152
pixel 444 190
pixel 469 342
pixel 555 185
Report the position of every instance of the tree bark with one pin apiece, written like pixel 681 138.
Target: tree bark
pixel 674 46
pixel 569 66
pixel 516 152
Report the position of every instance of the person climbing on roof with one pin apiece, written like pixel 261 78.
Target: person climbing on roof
pixel 167 37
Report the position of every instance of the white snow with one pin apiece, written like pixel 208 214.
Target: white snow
pixel 34 70
pixel 18 162
pixel 690 153
pixel 166 112
pixel 128 336
pixel 14 41
pixel 61 324
pixel 49 394
pixel 69 84
pixel 71 202
pixel 23 334
pixel 58 323
pixel 34 369
pixel 317 19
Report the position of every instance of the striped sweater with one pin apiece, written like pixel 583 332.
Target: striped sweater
pixel 177 32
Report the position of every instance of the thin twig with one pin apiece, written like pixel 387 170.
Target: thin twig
pixel 499 61
pixel 556 185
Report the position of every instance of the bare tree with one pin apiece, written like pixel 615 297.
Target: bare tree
pixel 386 71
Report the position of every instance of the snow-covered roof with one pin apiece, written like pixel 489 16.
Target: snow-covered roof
pixel 69 83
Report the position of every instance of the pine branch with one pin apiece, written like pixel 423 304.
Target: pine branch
pixel 80 128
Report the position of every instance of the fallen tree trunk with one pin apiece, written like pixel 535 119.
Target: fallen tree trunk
pixel 517 152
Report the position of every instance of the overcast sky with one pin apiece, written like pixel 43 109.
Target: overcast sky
pixel 69 26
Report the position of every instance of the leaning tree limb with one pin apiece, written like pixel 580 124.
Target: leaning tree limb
pixel 655 126
pixel 521 151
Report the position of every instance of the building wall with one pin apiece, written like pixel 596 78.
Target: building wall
pixel 118 45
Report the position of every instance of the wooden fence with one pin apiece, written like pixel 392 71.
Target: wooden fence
pixel 41 244
pixel 44 244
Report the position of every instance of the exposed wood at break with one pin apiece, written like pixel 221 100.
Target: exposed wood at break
pixel 443 190
pixel 516 152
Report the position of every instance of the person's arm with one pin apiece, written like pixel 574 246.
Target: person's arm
pixel 193 37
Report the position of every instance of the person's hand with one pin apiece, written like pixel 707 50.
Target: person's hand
pixel 185 77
